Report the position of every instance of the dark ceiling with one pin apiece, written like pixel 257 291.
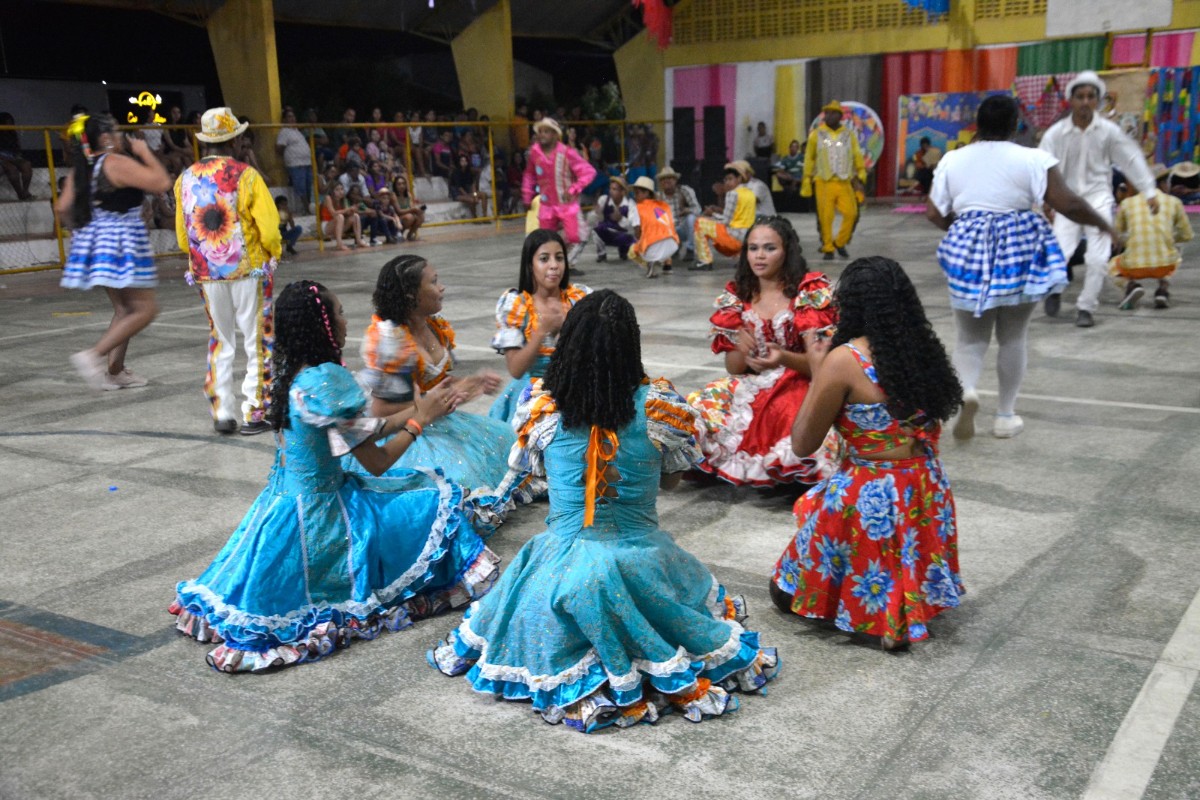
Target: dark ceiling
pixel 604 23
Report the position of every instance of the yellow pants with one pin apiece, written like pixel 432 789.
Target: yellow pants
pixel 834 196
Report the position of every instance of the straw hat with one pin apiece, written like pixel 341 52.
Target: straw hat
pixel 644 182
pixel 1087 78
pixel 667 172
pixel 1186 169
pixel 1160 171
pixel 547 122
pixel 618 180
pixel 832 105
pixel 743 166
pixel 220 125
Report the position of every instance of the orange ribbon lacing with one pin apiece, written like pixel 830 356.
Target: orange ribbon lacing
pixel 602 448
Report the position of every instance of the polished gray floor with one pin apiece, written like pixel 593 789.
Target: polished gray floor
pixel 1070 668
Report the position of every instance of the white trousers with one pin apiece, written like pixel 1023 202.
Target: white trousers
pixel 235 307
pixel 1099 249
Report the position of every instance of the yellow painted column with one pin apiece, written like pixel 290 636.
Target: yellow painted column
pixel 242 36
pixel 640 74
pixel 484 61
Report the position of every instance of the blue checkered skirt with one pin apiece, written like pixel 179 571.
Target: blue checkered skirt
pixel 112 250
pixel 996 259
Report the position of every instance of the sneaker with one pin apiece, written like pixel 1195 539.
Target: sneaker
pixel 1084 319
pixel 700 267
pixel 92 368
pixel 667 269
pixel 291 250
pixel 842 252
pixel 1162 298
pixel 828 256
pixel 254 427
pixel 964 424
pixel 652 269
pixel 225 426
pixel 125 379
pixel 1133 295
pixel 601 258
pixel 1052 304
pixel 374 243
pixel 1006 427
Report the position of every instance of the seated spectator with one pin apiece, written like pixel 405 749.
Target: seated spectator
pixel 420 151
pixel 396 138
pixel 617 219
pixel 442 154
pixel 244 147
pixel 405 206
pixel 342 135
pixel 177 149
pixel 375 147
pixel 292 146
pixel 16 167
pixel 725 229
pixel 790 169
pixel 377 120
pixel 158 210
pixel 325 152
pixel 288 228
pixel 511 200
pixel 328 177
pixel 764 143
pixel 352 152
pixel 464 187
pixel 338 216
pixel 926 160
pixel 1185 180
pixel 685 208
pixel 375 179
pixel 469 146
pixel 372 219
pixel 572 141
pixel 390 224
pixel 353 176
pixel 657 240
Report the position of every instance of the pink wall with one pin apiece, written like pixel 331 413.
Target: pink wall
pixel 698 87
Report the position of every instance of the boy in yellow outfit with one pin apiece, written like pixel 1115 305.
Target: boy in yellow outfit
pixel 725 230
pixel 1149 241
pixel 834 169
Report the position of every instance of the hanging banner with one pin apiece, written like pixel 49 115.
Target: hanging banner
pixel 946 119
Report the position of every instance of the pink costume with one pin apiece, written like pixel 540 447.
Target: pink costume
pixel 551 174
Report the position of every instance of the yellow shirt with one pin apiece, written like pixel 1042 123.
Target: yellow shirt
pixel 832 155
pixel 1150 238
pixel 747 206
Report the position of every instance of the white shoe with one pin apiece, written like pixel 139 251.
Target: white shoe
pixel 125 379
pixel 1007 427
pixel 91 367
pixel 964 424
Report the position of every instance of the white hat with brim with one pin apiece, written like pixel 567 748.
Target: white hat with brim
pixel 547 122
pixel 1087 78
pixel 220 125
pixel 1186 169
pixel 667 172
pixel 644 182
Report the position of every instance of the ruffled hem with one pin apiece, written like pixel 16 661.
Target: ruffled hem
pixel 336 630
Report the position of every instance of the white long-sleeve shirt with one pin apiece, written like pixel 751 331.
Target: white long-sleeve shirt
pixel 1086 156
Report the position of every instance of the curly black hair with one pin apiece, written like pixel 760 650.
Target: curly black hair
pixel 303 338
pixel 395 295
pixel 532 242
pixel 597 364
pixel 876 299
pixel 794 265
pixel 93 129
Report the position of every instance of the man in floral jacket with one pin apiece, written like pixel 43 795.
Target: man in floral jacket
pixel 227 223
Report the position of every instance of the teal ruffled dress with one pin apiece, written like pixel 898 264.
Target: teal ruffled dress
pixel 603 619
pixel 322 556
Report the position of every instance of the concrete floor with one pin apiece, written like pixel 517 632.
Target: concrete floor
pixel 1070 668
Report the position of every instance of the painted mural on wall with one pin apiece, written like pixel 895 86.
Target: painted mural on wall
pixel 946 119
pixel 866 124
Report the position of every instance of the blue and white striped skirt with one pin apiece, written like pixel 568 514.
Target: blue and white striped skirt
pixel 112 250
pixel 996 259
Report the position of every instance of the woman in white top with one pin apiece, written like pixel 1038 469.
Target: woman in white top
pixel 999 254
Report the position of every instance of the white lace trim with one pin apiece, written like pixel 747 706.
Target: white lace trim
pixel 231 615
pixel 680 662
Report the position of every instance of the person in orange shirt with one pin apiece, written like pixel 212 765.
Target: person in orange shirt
pixel 657 239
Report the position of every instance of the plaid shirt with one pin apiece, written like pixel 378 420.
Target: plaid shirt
pixel 1150 238
pixel 682 203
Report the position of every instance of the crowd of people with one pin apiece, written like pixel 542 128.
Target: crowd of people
pixel 839 388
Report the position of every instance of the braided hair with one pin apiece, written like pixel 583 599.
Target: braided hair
pixel 395 295
pixel 84 141
pixel 304 337
pixel 876 299
pixel 597 364
pixel 794 265
pixel 533 241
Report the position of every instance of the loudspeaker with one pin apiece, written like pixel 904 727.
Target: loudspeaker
pixel 714 134
pixel 711 172
pixel 683 134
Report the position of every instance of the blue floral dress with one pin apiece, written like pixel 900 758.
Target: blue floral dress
pixel 323 556
pixel 516 320
pixel 603 619
pixel 876 550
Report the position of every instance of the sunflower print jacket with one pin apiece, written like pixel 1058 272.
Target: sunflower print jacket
pixel 226 221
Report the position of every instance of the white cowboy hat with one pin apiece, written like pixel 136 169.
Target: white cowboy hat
pixel 644 182
pixel 667 172
pixel 1087 78
pixel 547 122
pixel 1186 169
pixel 220 125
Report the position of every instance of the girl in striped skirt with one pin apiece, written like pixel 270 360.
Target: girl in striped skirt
pixel 999 254
pixel 102 200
